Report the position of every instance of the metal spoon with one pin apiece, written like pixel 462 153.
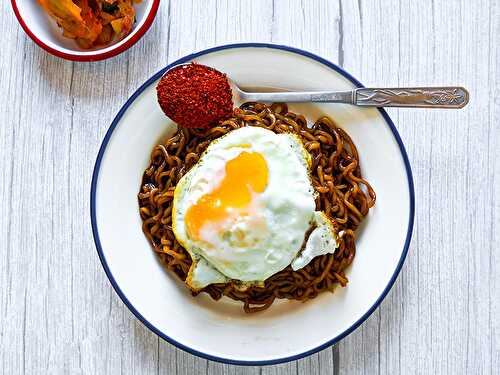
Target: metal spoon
pixel 415 97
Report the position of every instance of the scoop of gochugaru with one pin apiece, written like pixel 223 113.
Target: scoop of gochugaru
pixel 195 95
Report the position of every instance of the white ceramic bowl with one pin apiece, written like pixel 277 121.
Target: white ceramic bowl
pixel 221 330
pixel 45 32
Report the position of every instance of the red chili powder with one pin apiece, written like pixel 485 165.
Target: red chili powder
pixel 195 96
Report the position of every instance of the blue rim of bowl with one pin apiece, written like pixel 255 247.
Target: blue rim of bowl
pixel 97 241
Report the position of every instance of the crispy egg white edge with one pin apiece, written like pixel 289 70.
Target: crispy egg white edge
pixel 322 240
pixel 203 273
pixel 200 264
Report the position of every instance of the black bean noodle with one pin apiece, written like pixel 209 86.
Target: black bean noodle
pixel 343 195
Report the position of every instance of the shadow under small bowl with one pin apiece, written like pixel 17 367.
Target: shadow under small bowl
pixel 45 32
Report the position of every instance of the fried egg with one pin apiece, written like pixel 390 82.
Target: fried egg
pixel 243 211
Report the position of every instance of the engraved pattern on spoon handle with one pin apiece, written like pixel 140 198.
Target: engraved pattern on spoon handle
pixel 423 97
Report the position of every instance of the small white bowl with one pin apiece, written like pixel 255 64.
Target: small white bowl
pixel 47 34
pixel 220 330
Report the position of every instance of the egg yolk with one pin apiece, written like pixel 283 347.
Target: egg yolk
pixel 247 173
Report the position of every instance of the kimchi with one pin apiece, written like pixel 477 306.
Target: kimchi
pixel 92 23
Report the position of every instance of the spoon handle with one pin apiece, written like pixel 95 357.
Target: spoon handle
pixel 417 97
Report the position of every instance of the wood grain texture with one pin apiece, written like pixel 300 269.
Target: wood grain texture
pixel 58 312
pixel 442 314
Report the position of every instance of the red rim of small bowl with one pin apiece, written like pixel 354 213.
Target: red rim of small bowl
pixel 97 55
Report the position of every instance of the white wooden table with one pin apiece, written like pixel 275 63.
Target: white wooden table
pixel 58 312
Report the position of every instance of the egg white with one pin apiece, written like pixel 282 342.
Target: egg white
pixel 286 205
pixel 321 241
